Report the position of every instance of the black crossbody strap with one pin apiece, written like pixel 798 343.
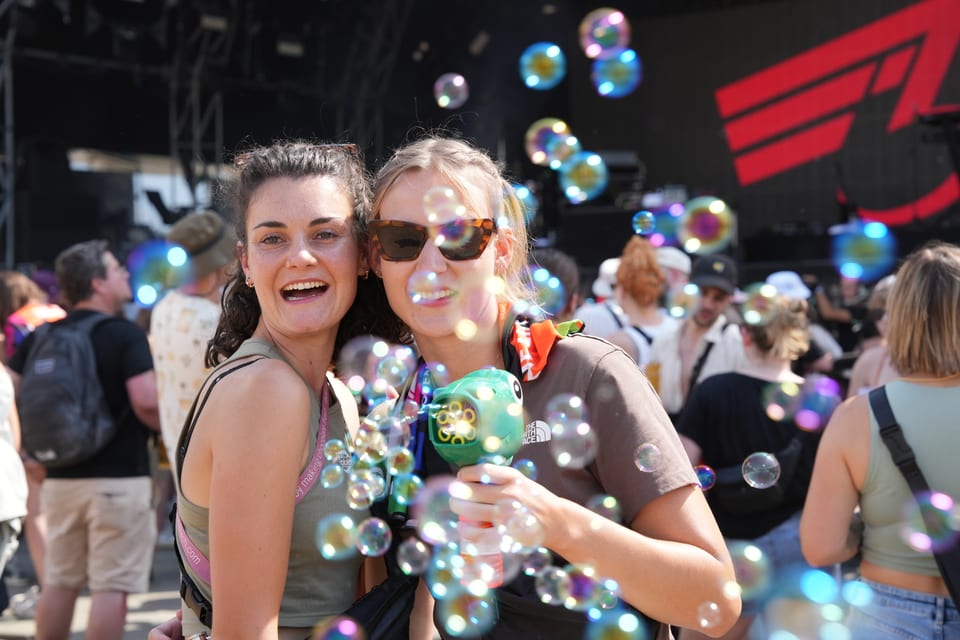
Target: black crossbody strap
pixel 698 367
pixel 948 561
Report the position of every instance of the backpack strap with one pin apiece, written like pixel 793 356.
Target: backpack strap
pixel 948 560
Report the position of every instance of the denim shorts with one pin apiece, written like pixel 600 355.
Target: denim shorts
pixel 899 613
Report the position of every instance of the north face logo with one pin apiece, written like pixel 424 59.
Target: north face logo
pixel 536 431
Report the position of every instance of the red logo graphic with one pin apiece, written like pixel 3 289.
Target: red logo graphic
pixel 812 96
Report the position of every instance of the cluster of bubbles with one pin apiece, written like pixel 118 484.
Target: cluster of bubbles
pixel 864 251
pixel 604 36
pixel 583 175
pixel 459 571
pixel 156 267
pixel 704 225
pixel 809 405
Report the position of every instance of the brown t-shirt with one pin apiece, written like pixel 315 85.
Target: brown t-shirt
pixel 625 412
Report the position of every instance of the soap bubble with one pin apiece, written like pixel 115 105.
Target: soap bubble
pixel 451 91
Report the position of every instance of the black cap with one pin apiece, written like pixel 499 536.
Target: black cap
pixel 715 271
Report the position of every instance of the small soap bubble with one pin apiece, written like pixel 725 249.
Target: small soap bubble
pixel 760 304
pixel 451 91
pixel 337 536
pixel 545 138
pixel 536 561
pixel 648 457
pixel 780 400
pixel 339 628
pixel 156 267
pixel 931 522
pixel 528 199
pixel 617 75
pixel 761 470
pixel 526 467
pixel 864 251
pixel 333 449
pixel 708 615
pixel 566 409
pixel 436 522
pixel 423 286
pixel 706 226
pixel 442 203
pixel 467 614
pixel 582 588
pixel 751 567
pixel 583 176
pixel 573 446
pixel 406 488
pixel 400 460
pixel 373 537
pixel 551 296
pixel 606 506
pixel 542 66
pixel 603 31
pixel 331 475
pixel 551 585
pixel 413 556
pixel 616 623
pixel 819 397
pixel 706 476
pixel 644 223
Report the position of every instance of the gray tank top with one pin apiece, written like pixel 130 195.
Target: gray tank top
pixel 928 416
pixel 316 587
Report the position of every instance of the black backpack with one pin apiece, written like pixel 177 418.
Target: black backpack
pixel 63 412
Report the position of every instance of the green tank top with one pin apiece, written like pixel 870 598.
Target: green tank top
pixel 928 416
pixel 316 588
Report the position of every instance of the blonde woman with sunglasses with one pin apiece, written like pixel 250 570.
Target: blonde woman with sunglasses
pixel 448 241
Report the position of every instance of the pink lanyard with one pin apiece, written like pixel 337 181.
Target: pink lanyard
pixel 308 477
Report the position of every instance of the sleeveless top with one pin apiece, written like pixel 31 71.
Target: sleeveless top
pixel 928 416
pixel 315 587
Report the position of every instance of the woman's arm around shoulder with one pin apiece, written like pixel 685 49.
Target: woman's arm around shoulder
pixel 838 475
pixel 258 425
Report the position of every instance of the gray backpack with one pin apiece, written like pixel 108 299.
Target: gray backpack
pixel 64 415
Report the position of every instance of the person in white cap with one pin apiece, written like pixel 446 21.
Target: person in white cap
pixel 675 265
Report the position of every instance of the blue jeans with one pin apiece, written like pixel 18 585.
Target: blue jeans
pixel 899 613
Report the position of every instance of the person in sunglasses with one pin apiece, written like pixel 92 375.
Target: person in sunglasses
pixel 251 446
pixel 449 242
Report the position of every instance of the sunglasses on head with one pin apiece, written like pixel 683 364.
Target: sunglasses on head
pixel 400 241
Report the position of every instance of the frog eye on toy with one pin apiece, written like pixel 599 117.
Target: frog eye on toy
pixel 517 390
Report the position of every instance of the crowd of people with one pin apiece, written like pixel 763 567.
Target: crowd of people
pixel 669 424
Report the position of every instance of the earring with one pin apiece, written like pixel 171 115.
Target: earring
pixel 250 282
pixel 365 274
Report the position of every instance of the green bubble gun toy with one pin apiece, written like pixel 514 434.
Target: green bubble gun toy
pixel 478 418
